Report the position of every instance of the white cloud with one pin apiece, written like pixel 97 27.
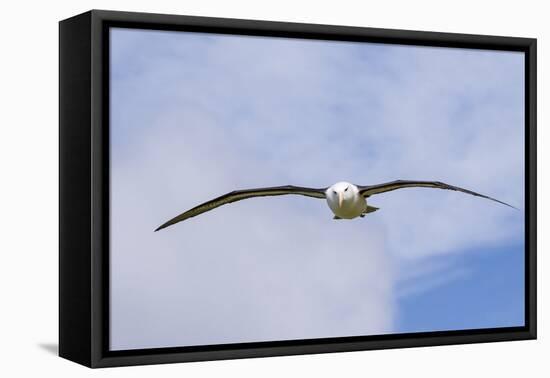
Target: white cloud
pixel 252 271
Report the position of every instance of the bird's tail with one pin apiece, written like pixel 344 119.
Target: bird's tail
pixel 371 209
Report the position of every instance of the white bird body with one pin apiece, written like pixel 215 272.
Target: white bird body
pixel 345 201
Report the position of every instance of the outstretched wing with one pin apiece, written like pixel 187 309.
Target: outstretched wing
pixel 369 190
pixel 239 195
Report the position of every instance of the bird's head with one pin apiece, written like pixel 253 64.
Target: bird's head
pixel 341 192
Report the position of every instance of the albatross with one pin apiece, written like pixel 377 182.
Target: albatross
pixel 346 200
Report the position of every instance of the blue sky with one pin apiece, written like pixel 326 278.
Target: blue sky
pixel 194 116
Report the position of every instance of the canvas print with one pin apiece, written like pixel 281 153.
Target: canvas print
pixel 269 188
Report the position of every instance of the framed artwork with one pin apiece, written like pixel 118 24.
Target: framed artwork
pixel 236 188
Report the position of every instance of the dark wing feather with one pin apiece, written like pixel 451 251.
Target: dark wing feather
pixel 239 195
pixel 369 190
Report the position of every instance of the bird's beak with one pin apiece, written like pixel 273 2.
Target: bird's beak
pixel 340 199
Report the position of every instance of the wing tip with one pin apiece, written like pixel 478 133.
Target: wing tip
pixel 512 206
pixel 160 227
pixel 169 223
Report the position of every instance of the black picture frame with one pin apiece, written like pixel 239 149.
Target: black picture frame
pixel 84 188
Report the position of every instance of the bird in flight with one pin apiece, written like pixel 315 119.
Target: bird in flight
pixel 347 201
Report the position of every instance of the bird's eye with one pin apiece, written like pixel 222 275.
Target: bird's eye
pixel 345 190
